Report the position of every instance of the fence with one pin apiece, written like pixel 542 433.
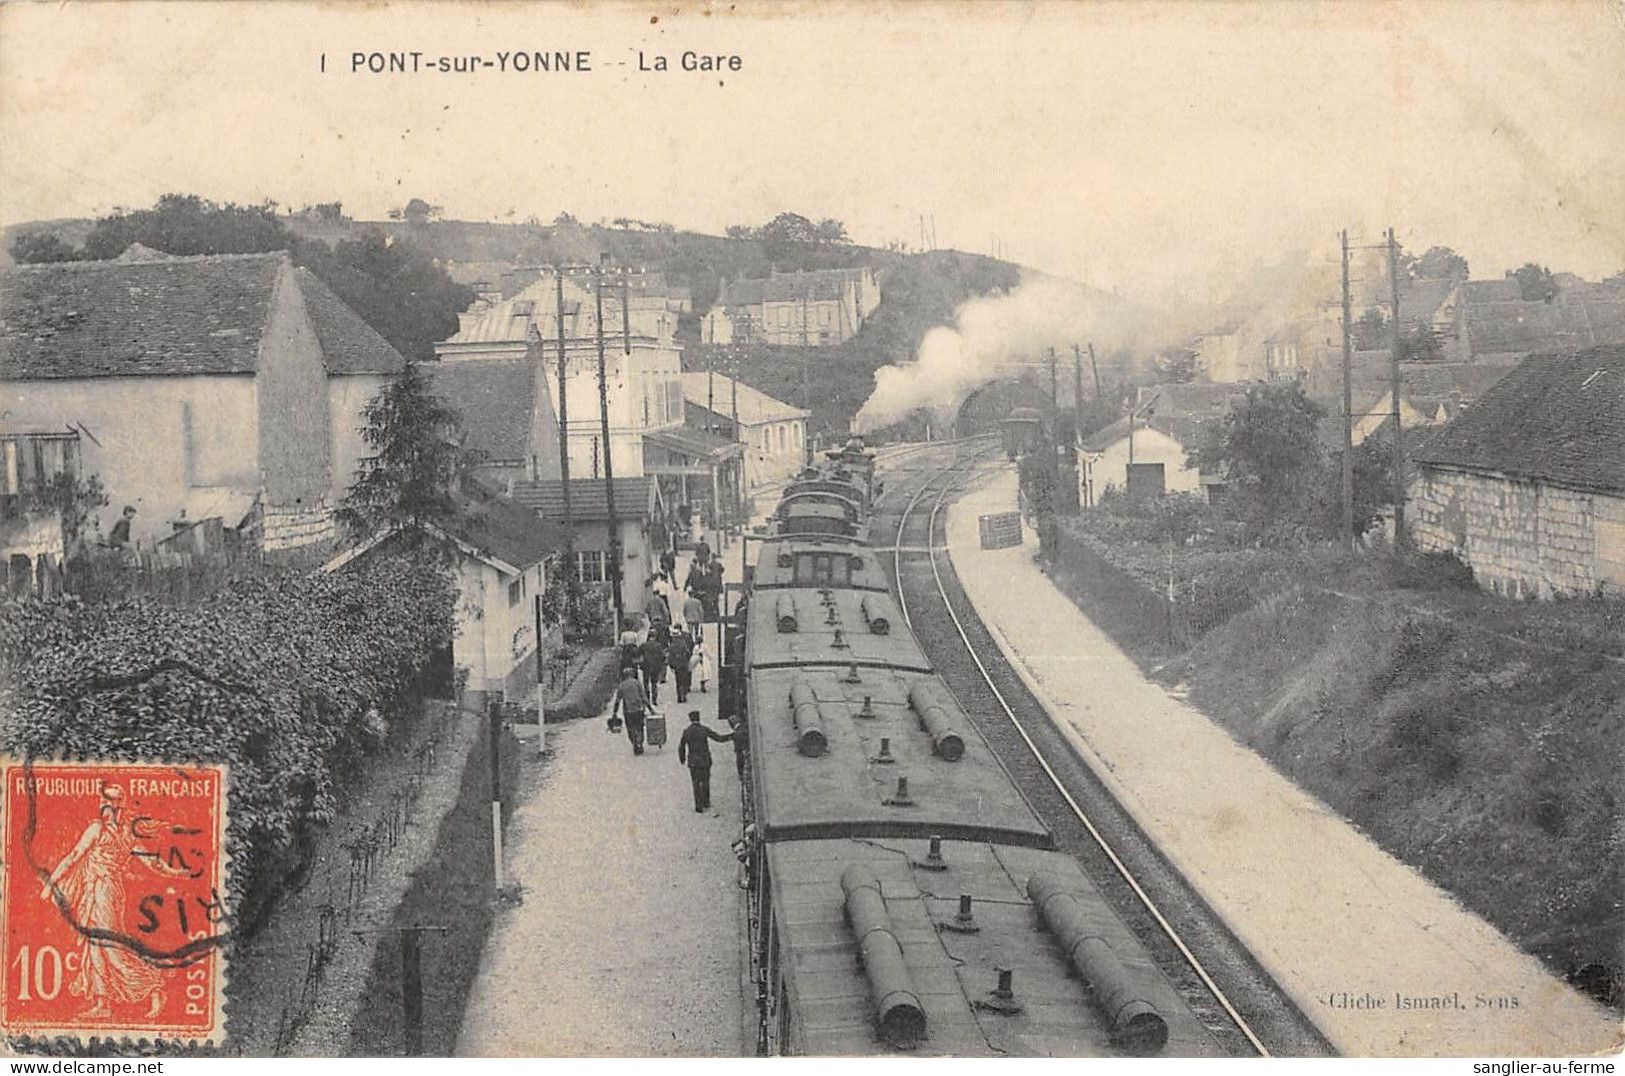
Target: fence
pixel 349 876
pixel 1145 616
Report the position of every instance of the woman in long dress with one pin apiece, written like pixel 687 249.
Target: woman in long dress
pixel 91 880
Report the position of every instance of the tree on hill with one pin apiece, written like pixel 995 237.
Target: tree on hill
pixel 406 482
pixel 31 248
pixel 185 224
pixel 1440 263
pixel 416 211
pixel 1535 283
pixel 395 286
pixel 791 240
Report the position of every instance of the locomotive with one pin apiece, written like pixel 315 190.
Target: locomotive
pixel 903 893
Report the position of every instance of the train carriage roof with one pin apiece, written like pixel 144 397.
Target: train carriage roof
pixel 818 615
pixel 772 571
pixel 832 1002
pixel 847 788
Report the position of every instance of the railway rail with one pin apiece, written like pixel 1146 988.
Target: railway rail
pixel 1240 1003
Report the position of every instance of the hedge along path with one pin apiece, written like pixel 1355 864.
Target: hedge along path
pixel 288 677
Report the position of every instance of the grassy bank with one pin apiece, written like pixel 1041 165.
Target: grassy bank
pixel 453 890
pixel 1478 739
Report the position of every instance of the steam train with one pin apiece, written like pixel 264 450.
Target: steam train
pixel 903 893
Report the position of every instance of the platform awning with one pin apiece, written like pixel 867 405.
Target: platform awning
pixel 698 445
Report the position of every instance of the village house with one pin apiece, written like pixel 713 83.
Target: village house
pixel 506 415
pixel 1527 486
pixel 499 551
pixel 822 308
pixel 773 433
pixel 218 393
pixel 639 520
pixel 1142 455
pixel 643 391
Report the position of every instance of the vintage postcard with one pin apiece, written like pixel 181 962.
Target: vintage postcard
pixel 940 529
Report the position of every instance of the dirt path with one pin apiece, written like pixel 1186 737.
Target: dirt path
pixel 628 939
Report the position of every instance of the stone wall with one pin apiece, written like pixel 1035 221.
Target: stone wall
pixel 1522 539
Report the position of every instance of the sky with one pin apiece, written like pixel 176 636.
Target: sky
pixel 1140 147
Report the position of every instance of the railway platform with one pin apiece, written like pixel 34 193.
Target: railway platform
pixel 628 940
pixel 1384 962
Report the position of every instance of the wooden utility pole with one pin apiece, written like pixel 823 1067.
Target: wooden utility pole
pixel 1094 369
pixel 1077 391
pixel 806 381
pixel 1054 390
pixel 1348 400
pixel 564 432
pixel 739 436
pixel 494 715
pixel 1400 537
pixel 609 466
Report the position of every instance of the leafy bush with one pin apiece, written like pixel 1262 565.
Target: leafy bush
pixel 288 679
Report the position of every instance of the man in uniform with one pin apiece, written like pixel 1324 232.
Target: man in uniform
pixel 694 751
pixel 631 702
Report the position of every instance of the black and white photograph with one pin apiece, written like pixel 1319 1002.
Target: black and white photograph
pixel 858 530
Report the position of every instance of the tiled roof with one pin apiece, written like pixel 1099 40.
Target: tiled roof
pixel 505 530
pixel 1186 430
pixel 1557 417
pixel 349 345
pixel 755 406
pixel 783 287
pixel 698 444
pixel 495 400
pixel 175 316
pixel 1419 300
pixel 587 502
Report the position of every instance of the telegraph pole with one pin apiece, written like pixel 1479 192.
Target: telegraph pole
pixel 1094 369
pixel 1348 401
pixel 1077 395
pixel 564 432
pixel 609 467
pixel 1400 538
pixel 738 438
pixel 806 382
pixel 1054 391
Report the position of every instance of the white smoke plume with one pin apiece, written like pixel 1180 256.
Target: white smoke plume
pixel 991 334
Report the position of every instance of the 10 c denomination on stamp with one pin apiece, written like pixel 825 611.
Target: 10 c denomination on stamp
pixel 113 900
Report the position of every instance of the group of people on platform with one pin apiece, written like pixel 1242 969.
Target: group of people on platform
pixel 655 642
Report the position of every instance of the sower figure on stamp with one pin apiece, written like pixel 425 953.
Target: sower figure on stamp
pixel 89 882
pixel 631 703
pixel 694 751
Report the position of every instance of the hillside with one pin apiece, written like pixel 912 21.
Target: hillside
pixel 918 291
pixel 1477 739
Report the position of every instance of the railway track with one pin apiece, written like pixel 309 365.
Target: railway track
pixel 1234 996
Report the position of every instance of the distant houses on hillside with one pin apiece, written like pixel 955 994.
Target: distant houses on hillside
pixel 823 308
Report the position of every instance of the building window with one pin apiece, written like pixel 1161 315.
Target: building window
pixel 590 566
pixel 784 439
pixel 798 434
pixel 516 590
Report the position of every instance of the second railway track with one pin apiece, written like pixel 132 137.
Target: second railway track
pixel 1220 979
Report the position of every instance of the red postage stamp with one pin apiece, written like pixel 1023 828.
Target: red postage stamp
pixel 112 900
